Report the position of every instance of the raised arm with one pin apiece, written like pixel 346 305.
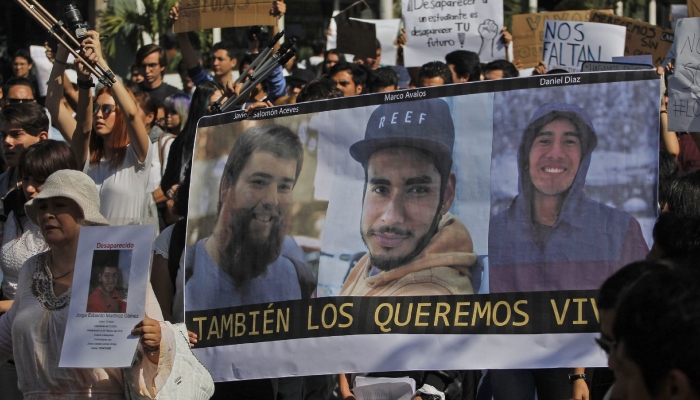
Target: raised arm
pixel 61 117
pixel 138 135
pixel 80 139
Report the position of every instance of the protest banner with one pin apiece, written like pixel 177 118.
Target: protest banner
pixel 642 37
pixel 528 33
pixel 684 84
pixel 693 8
pixel 197 15
pixel 109 296
pixel 567 45
pixel 259 226
pixel 435 28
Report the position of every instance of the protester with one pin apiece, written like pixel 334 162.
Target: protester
pixel 177 107
pixel 684 195
pixel 668 172
pixel 21 237
pixel 465 66
pixel 330 58
pixel 112 143
pixel 350 78
pixel 21 90
pixel 148 110
pixel 36 322
pixel 500 69
pixel 23 124
pixel 182 146
pixel 319 89
pixel 383 79
pixel 151 60
pixel 295 83
pixel 656 334
pixel 22 65
pixel 434 73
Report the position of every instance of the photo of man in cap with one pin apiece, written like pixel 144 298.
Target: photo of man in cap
pixel 415 247
pixel 552 236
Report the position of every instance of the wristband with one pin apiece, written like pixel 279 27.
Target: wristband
pixel 60 62
pixel 575 377
pixel 663 112
pixel 85 84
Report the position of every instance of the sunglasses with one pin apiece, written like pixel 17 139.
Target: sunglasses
pixel 19 101
pixel 106 109
pixel 608 346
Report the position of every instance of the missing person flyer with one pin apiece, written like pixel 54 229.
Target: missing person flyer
pixel 109 296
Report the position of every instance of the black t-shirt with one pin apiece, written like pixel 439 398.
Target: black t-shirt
pixel 161 92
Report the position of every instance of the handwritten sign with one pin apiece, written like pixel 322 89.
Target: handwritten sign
pixel 528 33
pixel 642 38
pixel 567 44
pixel 684 84
pixel 435 28
pixel 202 14
pixel 600 66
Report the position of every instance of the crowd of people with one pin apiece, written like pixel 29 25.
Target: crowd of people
pixel 122 155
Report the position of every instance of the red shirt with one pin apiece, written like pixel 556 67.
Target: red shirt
pixel 98 302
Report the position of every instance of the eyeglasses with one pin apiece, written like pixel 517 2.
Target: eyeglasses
pixel 19 101
pixel 106 109
pixel 608 346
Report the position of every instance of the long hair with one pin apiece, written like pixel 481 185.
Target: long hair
pixel 118 139
pixel 39 161
pixel 180 104
pixel 199 107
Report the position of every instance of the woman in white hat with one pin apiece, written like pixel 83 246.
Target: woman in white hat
pixel 34 327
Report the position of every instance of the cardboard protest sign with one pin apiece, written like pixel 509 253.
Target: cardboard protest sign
pixel 196 15
pixel 435 28
pixel 109 296
pixel 642 37
pixel 567 45
pixel 355 36
pixel 684 84
pixel 374 242
pixel 528 33
pixel 693 8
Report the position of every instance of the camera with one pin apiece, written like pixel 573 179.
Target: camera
pixel 75 22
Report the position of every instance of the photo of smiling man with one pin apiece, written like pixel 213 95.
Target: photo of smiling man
pixel 553 236
pixel 415 246
pixel 245 259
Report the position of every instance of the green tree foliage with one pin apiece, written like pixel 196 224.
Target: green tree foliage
pixel 123 20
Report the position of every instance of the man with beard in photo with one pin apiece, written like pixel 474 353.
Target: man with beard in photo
pixel 243 261
pixel 415 246
pixel 247 259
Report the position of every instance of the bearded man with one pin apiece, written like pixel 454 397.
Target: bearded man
pixel 243 261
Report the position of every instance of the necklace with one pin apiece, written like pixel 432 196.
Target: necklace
pixel 55 278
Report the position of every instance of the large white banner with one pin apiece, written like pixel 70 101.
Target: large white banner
pixel 412 211
pixel 437 27
pixel 684 84
pixel 568 44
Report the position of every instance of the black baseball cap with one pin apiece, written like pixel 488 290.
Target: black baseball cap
pixel 423 124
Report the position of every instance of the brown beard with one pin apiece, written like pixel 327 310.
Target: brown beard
pixel 244 257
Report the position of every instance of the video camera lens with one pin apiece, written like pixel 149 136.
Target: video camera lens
pixel 75 22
